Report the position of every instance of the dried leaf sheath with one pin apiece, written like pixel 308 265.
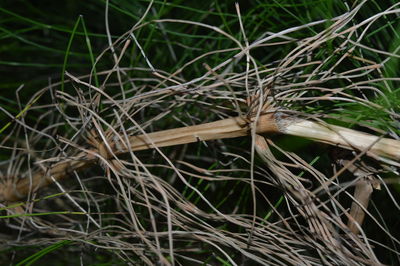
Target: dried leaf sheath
pixel 226 128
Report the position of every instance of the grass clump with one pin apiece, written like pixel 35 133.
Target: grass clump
pixel 292 159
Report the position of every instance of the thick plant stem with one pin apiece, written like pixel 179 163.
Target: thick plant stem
pixel 222 129
pixel 362 194
pixel 226 128
pixel 13 191
pixel 344 137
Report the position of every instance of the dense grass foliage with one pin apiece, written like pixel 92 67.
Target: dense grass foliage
pixel 158 64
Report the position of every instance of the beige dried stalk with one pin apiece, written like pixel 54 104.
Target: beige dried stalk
pixel 270 123
pixel 363 188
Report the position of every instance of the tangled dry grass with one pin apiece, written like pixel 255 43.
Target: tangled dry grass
pixel 161 203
